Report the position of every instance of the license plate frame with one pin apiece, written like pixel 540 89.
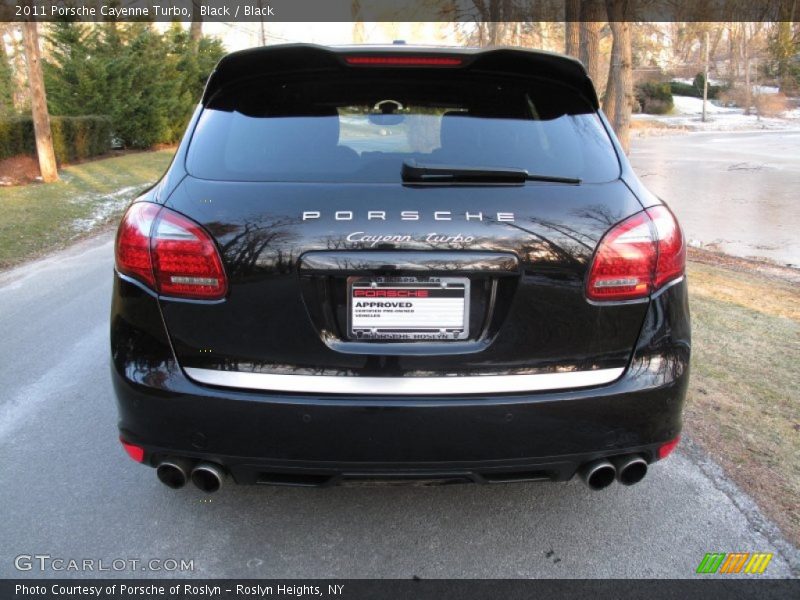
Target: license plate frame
pixel 455 326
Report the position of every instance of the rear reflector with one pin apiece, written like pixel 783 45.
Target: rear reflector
pixel 134 451
pixel 169 253
pixel 637 257
pixel 404 61
pixel 666 449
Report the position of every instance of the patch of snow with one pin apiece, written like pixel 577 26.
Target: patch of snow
pixel 765 89
pixel 792 114
pixel 686 105
pixel 105 205
pixel 687 112
pixel 690 81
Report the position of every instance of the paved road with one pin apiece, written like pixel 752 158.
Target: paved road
pixel 733 191
pixel 67 489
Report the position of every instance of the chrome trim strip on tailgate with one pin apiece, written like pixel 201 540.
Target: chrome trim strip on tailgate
pixel 353 262
pixel 404 386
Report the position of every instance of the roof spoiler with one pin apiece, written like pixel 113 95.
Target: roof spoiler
pixel 293 58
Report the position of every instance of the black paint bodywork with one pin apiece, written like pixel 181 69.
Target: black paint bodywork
pixel 284 314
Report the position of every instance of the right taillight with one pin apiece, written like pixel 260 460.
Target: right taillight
pixel 671 247
pixel 169 253
pixel 637 257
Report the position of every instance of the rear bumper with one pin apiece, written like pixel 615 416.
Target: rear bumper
pixel 321 440
pixel 264 437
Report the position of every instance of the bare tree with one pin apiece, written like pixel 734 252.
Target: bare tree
pixel 6 76
pixel 196 26
pixel 592 16
pixel 785 43
pixel 358 23
pixel 748 88
pixel 619 91
pixel 261 31
pixel 495 22
pixel 572 28
pixel 41 118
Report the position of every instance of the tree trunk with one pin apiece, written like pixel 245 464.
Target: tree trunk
pixel 572 27
pixel 733 47
pixel 196 27
pixel 6 77
pixel 619 93
pixel 41 119
pixel 785 44
pixel 610 97
pixel 358 24
pixel 592 15
pixel 748 90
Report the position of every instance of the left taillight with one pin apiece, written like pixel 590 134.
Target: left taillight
pixel 133 242
pixel 169 253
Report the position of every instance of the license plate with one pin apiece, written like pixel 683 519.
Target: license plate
pixel 408 308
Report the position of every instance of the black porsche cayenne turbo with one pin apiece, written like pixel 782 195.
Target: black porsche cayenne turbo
pixel 399 263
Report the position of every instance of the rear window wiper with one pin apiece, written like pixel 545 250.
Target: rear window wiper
pixel 414 172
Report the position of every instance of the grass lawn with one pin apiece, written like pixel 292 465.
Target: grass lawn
pixel 42 217
pixel 743 406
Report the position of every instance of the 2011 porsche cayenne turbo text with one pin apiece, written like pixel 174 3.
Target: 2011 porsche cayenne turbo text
pixel 399 263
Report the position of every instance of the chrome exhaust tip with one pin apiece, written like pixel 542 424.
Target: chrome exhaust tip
pixel 208 477
pixel 598 474
pixel 174 472
pixel 631 468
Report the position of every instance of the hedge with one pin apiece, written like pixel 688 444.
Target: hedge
pixel 687 89
pixel 74 138
pixel 654 98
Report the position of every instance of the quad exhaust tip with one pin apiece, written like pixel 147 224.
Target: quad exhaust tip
pixel 208 477
pixel 598 474
pixel 631 468
pixel 174 472
pixel 627 469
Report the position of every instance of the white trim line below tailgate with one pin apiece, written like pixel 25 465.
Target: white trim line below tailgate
pixel 404 386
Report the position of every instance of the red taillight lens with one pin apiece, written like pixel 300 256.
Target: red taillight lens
pixel 133 242
pixel 403 61
pixel 671 247
pixel 170 253
pixel 637 256
pixel 185 259
pixel 624 262
pixel 664 450
pixel 134 451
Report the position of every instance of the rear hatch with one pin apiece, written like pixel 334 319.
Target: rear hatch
pixel 373 218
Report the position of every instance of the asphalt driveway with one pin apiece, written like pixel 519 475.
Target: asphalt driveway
pixel 735 192
pixel 67 490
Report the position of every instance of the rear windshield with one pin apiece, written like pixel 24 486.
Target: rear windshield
pixel 357 128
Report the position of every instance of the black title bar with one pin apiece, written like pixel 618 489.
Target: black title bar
pixel 382 10
pixel 390 589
